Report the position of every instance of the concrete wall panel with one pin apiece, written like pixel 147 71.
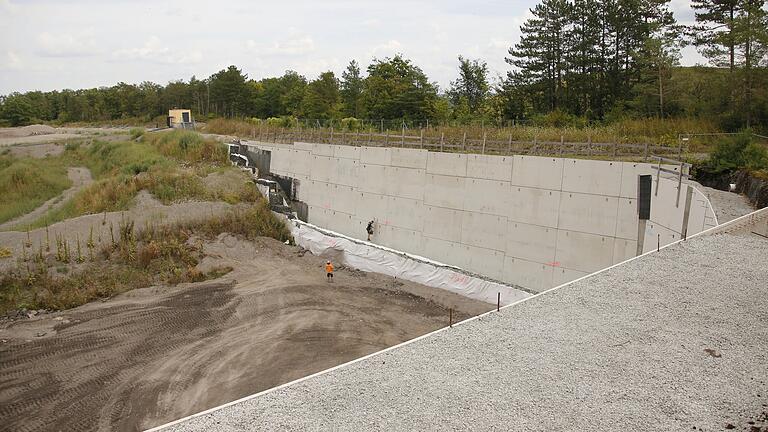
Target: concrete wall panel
pixel 656 234
pixel 592 177
pixel 375 155
pixel 531 242
pixel 624 250
pixel 532 275
pixel 322 168
pixel 301 163
pixel 343 198
pixel 406 213
pixel 304 146
pixel 442 223
pixel 583 252
pixel 537 172
pixel 594 214
pixel 487 196
pixel 490 167
pixel 447 252
pixel 450 164
pixel 346 152
pixel 534 206
pixel 373 207
pixel 444 191
pixel 663 205
pixel 373 179
pixel 405 182
pixel 627 219
pixel 322 150
pixel 345 172
pixel 485 261
pixel 629 173
pixel 562 276
pixel 408 158
pixel 401 239
pixel 483 230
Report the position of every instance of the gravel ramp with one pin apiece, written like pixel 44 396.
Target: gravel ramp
pixel 675 340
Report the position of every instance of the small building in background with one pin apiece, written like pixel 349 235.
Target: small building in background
pixel 180 118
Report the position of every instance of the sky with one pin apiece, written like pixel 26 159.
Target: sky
pixel 58 44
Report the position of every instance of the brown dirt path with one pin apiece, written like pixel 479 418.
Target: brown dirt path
pixel 153 355
pixel 80 176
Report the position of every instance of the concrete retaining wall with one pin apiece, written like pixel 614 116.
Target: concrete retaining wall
pixel 536 222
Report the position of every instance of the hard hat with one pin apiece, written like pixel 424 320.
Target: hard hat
pixel 328 262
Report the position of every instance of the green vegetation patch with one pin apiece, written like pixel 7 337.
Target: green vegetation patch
pixel 26 183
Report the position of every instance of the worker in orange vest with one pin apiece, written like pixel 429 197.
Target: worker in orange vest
pixel 329 271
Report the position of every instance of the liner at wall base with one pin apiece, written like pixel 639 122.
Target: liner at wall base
pixel 371 258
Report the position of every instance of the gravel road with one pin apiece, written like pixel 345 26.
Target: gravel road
pixel 675 340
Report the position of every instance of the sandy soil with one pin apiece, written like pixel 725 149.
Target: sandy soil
pixel 38 134
pixel 152 355
pixel 80 176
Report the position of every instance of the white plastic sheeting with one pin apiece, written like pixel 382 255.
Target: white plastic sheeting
pixel 373 258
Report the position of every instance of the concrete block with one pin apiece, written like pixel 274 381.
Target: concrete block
pixel 343 223
pixel 373 207
pixel 406 213
pixel 280 162
pixel 408 158
pixel 373 179
pixel 594 214
pixel 405 182
pixel 627 219
pixel 442 223
pixel 537 172
pixel 629 173
pixel 490 167
pixel 562 276
pixel 487 196
pixel 484 230
pixel 322 150
pixel 583 252
pixel 318 216
pixel 450 164
pixel 444 191
pixel 624 250
pixel 531 242
pixel 375 155
pixel 592 177
pixel 534 206
pixel 346 152
pixel 528 274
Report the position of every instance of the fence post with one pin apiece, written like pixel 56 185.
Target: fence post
pixel 330 140
pixel 562 144
pixel 370 137
pixel 535 144
pixel 615 149
pixel 589 145
pixel 421 138
pixel 509 145
pixel 645 152
pixel 343 137
pixel 442 137
pixel 357 138
pixel 386 139
pixel 402 137
pixel 483 150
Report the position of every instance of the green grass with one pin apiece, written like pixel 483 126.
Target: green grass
pixel 26 183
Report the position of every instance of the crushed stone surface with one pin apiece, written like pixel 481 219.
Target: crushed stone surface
pixel 674 340
pixel 727 205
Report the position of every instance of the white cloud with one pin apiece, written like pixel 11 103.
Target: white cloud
pixel 154 51
pixel 82 44
pixel 292 46
pixel 11 61
pixel 386 49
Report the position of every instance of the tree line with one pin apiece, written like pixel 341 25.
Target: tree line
pixel 578 61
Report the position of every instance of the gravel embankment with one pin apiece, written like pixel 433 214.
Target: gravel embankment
pixel 727 205
pixel 675 340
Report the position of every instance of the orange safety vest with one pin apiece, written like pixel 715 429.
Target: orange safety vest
pixel 329 268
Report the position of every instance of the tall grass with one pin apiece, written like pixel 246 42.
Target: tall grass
pixel 26 183
pixel 636 131
pixel 134 259
pixel 187 146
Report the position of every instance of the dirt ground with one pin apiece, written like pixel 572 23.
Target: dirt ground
pixel 153 355
pixel 39 134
